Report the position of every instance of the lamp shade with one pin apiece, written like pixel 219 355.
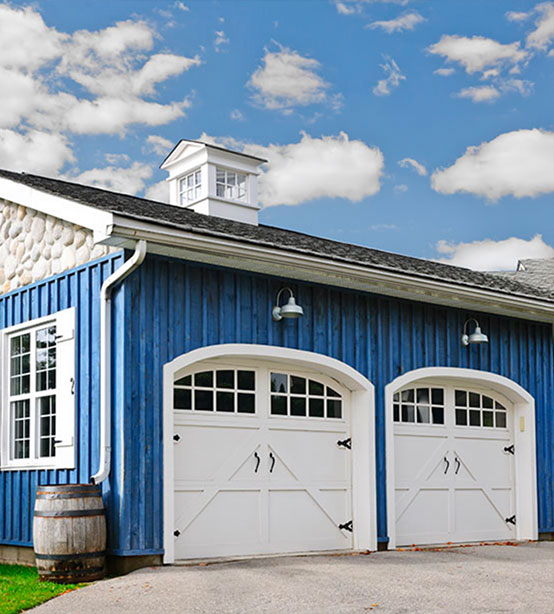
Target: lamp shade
pixel 291 309
pixel 478 337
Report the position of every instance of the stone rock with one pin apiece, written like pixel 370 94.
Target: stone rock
pixel 15 229
pixel 67 236
pixel 82 255
pixel 37 229
pixel 21 212
pixel 40 270
pixel 57 230
pixel 80 238
pixel 67 261
pixel 25 278
pixel 57 250
pixel 10 265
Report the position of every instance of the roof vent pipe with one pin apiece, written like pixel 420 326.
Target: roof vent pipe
pixel 106 358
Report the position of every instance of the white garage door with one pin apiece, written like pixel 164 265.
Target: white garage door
pixel 256 462
pixel 454 465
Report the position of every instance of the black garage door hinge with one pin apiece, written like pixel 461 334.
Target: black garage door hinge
pixel 510 449
pixel 347 526
pixel 176 532
pixel 511 519
pixel 345 443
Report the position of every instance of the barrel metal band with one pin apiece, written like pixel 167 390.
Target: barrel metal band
pixel 71 574
pixel 68 513
pixel 70 557
pixel 41 495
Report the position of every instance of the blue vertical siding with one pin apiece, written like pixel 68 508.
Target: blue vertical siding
pixel 172 307
pixel 79 288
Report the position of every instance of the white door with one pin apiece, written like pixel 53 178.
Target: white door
pixel 454 465
pixel 256 462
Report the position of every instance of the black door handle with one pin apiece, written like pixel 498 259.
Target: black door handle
pixel 272 462
pixel 458 465
pixel 447 465
pixel 257 457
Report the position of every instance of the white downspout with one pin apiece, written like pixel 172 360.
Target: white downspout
pixel 106 359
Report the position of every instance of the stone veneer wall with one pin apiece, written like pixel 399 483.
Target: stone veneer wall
pixel 34 246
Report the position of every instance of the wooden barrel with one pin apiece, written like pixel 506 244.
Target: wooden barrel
pixel 69 533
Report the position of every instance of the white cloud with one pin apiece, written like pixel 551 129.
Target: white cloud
pixel 383 227
pixel 158 192
pixel 516 16
pixel 34 152
pixel 349 7
pixel 400 189
pixel 130 180
pixel 220 40
pixel 517 163
pixel 551 53
pixel 543 35
pixel 159 145
pixel 444 72
pixel 325 167
pixel 477 53
pixel 404 22
pixel 490 255
pixel 117 158
pixel 182 6
pixel 410 162
pixel 483 93
pixel 394 76
pixel 236 115
pixel 287 80
pixel 344 9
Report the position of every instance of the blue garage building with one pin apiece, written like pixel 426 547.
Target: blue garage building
pixel 240 389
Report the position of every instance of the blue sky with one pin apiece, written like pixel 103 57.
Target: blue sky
pixel 367 142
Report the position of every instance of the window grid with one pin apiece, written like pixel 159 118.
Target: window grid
pixel 301 397
pixel 419 406
pixel 222 390
pixel 32 393
pixel 229 184
pixel 479 410
pixel 190 187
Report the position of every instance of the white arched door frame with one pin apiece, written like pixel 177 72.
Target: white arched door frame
pixel 524 439
pixel 364 505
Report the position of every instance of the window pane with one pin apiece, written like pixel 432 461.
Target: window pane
pixel 225 401
pixel 181 399
pixel 334 408
pixel 246 380
pixel 437 396
pixel 220 190
pixel 408 413
pixel 461 398
pixel 396 412
pixel 396 397
pixel 231 178
pixel 297 406
pixel 423 395
pixel 487 402
pixel 198 177
pixel 246 403
pixel 407 396
pixel 184 381
pixel 47 425
pixel 278 382
pixel 279 405
pixel 438 415
pixel 501 419
pixel 333 393
pixel 204 379
pixel 423 414
pixel 21 426
pixel 461 417
pixel 203 400
pixel 225 379
pixel 316 388
pixel 499 405
pixel 316 407
pixel 297 385
pixel 488 419
pixel 474 417
pixel 220 176
pixel 474 400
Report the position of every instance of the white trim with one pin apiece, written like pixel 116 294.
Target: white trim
pixel 223 251
pixel 101 222
pixel 364 508
pixel 525 457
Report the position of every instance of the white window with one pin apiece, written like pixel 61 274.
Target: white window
pixel 229 184
pixel 37 416
pixel 190 187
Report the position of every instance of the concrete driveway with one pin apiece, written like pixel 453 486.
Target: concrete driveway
pixel 477 579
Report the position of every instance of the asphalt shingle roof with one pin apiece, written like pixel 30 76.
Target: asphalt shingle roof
pixel 185 219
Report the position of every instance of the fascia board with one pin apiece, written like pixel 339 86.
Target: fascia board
pixel 100 222
pixel 279 262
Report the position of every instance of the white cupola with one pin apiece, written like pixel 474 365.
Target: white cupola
pixel 214 181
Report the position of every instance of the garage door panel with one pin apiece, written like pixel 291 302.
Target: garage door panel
pixel 312 526
pixel 482 459
pixel 476 512
pixel 422 514
pixel 419 456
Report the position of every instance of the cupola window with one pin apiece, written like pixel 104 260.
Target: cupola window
pixel 189 187
pixel 230 184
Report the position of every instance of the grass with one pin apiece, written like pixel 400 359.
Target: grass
pixel 20 589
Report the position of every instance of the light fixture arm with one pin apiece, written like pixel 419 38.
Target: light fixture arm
pixel 281 292
pixel 467 322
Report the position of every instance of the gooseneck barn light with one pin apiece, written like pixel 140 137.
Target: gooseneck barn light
pixel 476 336
pixel 290 310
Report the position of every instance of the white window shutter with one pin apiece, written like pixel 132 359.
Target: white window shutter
pixel 65 389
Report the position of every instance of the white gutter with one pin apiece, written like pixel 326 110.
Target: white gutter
pixel 106 359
